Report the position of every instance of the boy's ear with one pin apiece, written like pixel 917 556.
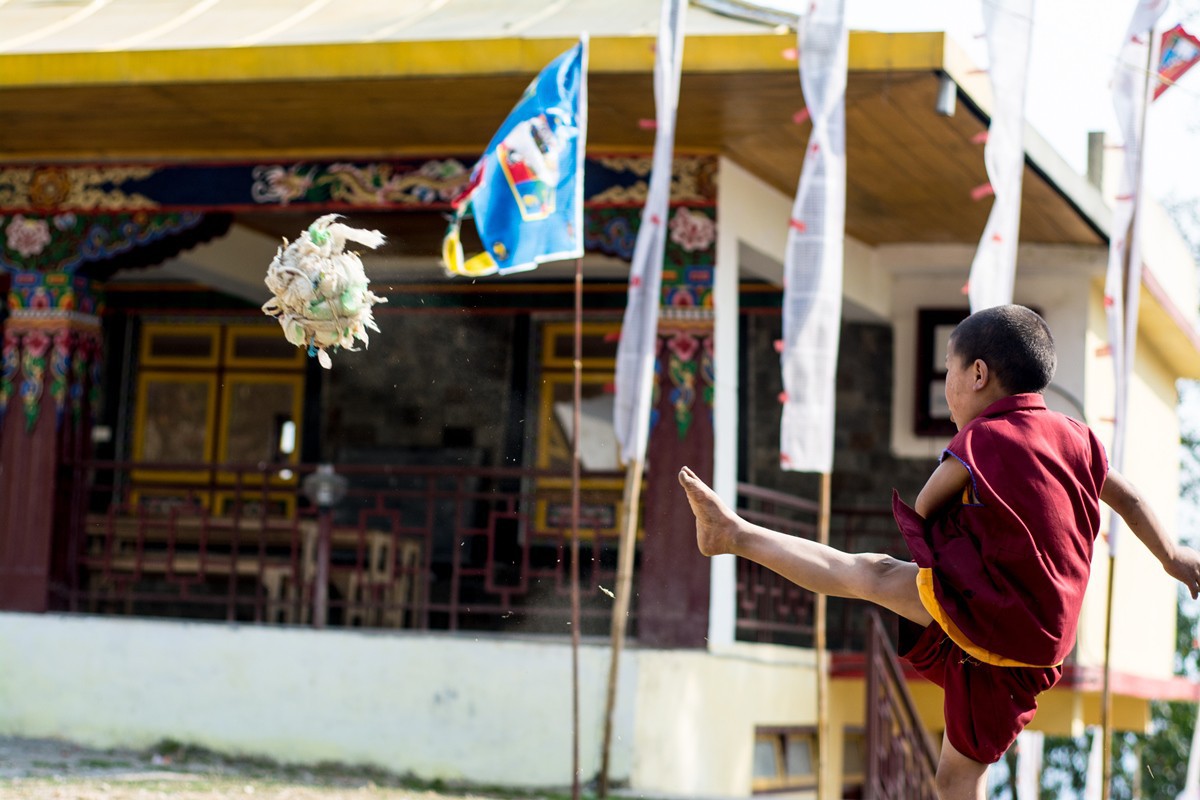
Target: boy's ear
pixel 980 375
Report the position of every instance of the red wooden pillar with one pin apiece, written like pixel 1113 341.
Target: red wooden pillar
pixel 51 356
pixel 673 588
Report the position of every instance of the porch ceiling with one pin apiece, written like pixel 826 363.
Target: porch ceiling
pixel 911 171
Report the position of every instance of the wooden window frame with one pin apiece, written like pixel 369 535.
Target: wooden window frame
pixel 150 330
pixel 229 381
pixel 553 331
pixel 145 379
pixel 235 332
pixel 593 486
pixel 929 374
pixel 782 782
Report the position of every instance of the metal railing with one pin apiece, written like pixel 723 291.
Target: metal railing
pixel 771 608
pixel 901 760
pixel 414 547
pixel 426 548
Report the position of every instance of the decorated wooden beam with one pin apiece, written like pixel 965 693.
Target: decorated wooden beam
pixel 395 185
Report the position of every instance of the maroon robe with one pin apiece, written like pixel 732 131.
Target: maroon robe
pixel 1010 563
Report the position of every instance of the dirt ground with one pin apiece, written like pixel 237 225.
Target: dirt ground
pixel 36 769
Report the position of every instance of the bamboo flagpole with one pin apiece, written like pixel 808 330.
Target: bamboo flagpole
pixel 550 116
pixel 1106 693
pixel 820 644
pixel 576 425
pixel 620 615
pixel 639 337
pixel 1123 290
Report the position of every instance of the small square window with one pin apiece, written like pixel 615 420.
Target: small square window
pixel 798 755
pixel 766 758
pixel 934 326
pixel 785 761
pixel 171 345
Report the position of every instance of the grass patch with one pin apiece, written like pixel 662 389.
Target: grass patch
pixel 174 768
pixel 104 763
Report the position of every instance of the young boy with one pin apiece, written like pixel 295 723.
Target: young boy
pixel 1001 540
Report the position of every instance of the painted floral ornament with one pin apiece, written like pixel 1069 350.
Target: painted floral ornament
pixel 320 290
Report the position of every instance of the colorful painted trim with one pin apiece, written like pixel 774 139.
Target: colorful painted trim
pixel 60 369
pixel 689 259
pixel 687 352
pixel 32 293
pixel 10 363
pixel 68 354
pixel 55 339
pixel 399 184
pixel 66 241
pixel 681 369
pixel 33 373
pixel 707 372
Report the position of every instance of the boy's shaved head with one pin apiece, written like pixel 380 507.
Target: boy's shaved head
pixel 1013 341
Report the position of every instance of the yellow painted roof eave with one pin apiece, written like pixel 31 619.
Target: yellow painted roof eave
pixel 1167 328
pixel 869 52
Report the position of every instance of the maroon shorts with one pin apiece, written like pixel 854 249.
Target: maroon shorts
pixel 986 706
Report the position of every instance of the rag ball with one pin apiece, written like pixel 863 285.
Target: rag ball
pixel 320 290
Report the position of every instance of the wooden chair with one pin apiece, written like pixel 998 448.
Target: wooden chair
pixel 382 593
pixel 290 601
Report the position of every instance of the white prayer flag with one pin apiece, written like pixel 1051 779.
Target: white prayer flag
pixel 1093 780
pixel 1132 83
pixel 812 294
pixel 1030 749
pixel 1191 782
pixel 1009 27
pixel 639 329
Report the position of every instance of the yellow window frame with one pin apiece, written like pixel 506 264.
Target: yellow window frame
pixel 235 332
pixel 145 379
pixel 224 500
pixel 782 780
pixel 231 380
pixel 552 332
pixel 151 330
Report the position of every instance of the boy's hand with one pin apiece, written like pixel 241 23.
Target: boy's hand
pixel 1184 566
pixel 1181 563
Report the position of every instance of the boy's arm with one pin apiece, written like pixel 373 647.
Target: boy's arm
pixel 944 485
pixel 1180 562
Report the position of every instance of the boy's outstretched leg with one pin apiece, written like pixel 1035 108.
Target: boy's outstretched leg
pixel 960 777
pixel 880 579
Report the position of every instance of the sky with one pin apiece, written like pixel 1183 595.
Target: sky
pixel 1073 56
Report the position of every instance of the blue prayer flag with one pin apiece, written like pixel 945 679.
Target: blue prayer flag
pixel 526 192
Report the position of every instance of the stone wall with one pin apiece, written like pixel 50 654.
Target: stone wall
pixel 432 382
pixel 864 471
pixel 429 382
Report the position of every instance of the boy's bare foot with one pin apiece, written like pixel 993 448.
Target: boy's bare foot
pixel 716 524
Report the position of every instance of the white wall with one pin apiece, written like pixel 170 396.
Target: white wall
pixel 1144 607
pixel 486 709
pixel 696 714
pixel 1169 258
pixel 754 217
pixel 1066 284
pixel 483 710
pixel 1054 279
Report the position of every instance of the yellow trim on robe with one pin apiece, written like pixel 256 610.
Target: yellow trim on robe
pixel 930 601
